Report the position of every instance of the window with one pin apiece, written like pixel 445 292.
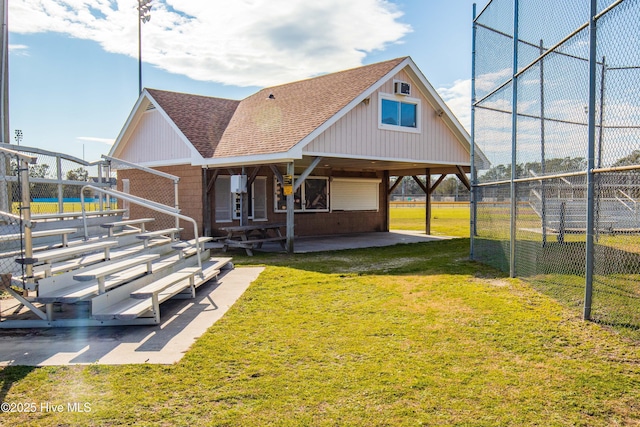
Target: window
pixel 313 196
pixel 223 199
pixel 228 203
pixel 399 113
pixel 355 194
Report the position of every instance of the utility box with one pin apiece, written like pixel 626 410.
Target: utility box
pixel 238 184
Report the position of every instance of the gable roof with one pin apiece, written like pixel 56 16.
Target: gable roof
pixel 277 118
pixel 276 123
pixel 202 119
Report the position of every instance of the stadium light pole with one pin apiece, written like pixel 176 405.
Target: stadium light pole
pixel 144 15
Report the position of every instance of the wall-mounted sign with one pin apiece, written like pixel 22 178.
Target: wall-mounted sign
pixel 288 184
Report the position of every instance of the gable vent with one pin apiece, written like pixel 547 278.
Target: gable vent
pixel 150 107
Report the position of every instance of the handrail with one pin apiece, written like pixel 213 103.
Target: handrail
pixel 174 178
pixel 4 146
pixel 145 203
pixel 28 159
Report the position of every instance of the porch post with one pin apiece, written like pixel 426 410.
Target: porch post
pixel 427 200
pixel 387 195
pixel 290 209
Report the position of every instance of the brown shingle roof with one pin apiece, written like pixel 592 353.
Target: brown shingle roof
pixel 201 119
pixel 261 125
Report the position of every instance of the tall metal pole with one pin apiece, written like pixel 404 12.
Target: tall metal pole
pixel 5 167
pixel 4 73
pixel 589 262
pixel 543 159
pixel 514 134
pixel 472 205
pixel 144 16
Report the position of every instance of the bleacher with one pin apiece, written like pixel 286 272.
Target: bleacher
pixel 122 272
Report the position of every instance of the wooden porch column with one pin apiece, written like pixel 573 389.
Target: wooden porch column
pixel 427 202
pixel 387 195
pixel 290 212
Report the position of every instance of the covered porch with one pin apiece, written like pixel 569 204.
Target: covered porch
pixel 333 221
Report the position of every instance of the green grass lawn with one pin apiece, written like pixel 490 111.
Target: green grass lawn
pixel 445 220
pixel 400 336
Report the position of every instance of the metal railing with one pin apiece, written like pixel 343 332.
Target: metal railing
pixel 148 204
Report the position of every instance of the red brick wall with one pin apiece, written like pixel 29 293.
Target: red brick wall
pixel 160 189
pixel 319 223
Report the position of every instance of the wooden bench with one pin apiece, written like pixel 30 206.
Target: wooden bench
pixel 130 222
pixel 252 236
pixel 100 273
pixel 249 244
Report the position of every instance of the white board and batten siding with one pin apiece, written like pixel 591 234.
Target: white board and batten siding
pixel 156 141
pixel 357 133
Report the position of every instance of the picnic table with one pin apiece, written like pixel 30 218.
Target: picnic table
pixel 251 237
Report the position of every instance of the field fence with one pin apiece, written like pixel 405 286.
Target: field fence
pixel 556 126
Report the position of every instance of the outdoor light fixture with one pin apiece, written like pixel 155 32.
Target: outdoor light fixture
pixel 144 14
pixel 18 136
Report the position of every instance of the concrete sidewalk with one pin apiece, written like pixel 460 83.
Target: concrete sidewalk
pixel 336 242
pixel 183 321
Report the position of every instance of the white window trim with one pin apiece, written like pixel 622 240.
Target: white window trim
pixel 232 200
pixel 302 195
pixel 407 100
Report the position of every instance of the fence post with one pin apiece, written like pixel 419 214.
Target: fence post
pixel 472 192
pixel 543 199
pixel 25 214
pixel 514 134
pixel 589 250
pixel 60 190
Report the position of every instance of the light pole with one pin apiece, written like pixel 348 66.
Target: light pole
pixel 18 136
pixel 144 15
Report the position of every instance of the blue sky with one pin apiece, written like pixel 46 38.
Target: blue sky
pixel 74 70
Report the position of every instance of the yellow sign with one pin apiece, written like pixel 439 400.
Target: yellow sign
pixel 288 184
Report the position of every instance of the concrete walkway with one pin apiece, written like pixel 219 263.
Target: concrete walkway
pixel 353 241
pixel 183 322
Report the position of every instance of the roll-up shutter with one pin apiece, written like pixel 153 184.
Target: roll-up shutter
pixel 352 194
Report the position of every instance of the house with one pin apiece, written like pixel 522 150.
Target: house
pixel 333 141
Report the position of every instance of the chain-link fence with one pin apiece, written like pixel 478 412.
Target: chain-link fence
pixel 37 185
pixel 11 225
pixel 557 115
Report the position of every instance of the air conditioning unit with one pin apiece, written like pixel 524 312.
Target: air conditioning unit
pixel 402 88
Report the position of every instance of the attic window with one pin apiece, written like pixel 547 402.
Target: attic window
pixel 399 113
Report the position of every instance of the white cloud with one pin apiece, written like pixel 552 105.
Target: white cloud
pixel 458 98
pixel 108 141
pixel 19 49
pixel 244 42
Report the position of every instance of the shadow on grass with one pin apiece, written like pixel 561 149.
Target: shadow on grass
pixel 437 257
pixel 559 271
pixel 11 375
